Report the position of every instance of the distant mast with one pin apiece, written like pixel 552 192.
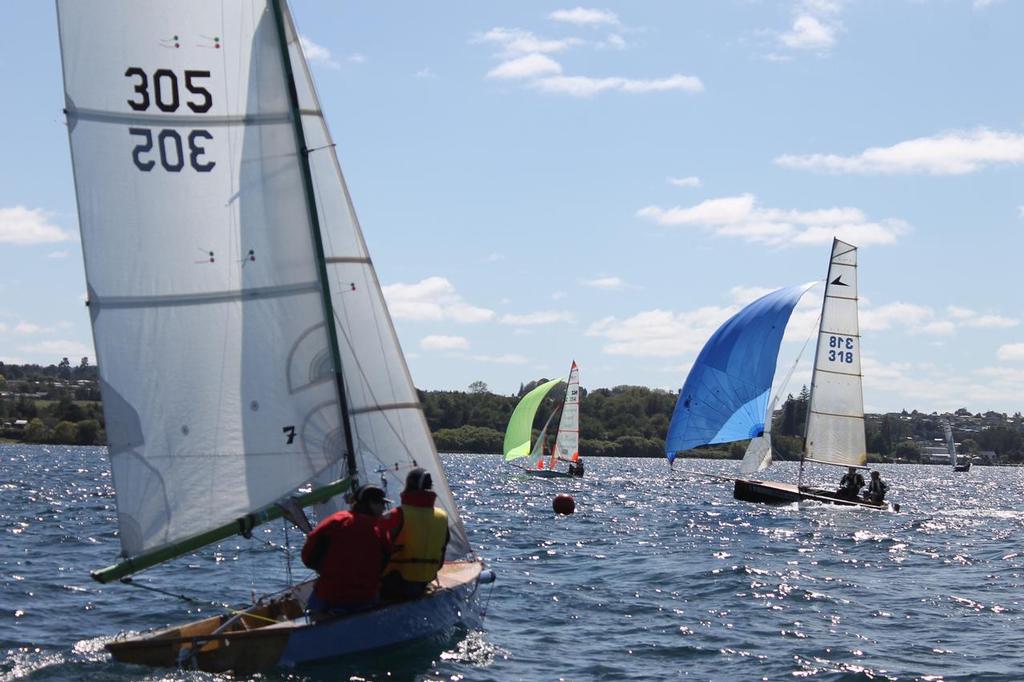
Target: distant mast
pixel 567 442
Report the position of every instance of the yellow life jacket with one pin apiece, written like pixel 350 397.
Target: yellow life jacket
pixel 417 551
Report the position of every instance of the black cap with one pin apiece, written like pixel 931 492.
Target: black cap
pixel 419 479
pixel 369 493
pixel 875 473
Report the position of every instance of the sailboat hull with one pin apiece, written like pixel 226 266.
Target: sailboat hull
pixel 962 468
pixel 547 473
pixel 771 492
pixel 279 633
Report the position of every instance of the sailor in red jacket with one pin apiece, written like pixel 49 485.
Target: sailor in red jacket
pixel 419 537
pixel 349 550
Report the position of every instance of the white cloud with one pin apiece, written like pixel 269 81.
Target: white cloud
pixel 541 317
pixel 317 53
pixel 943 387
pixel 582 16
pixel 585 86
pixel 1011 352
pixel 991 322
pixel 440 342
pixel 59 348
pixel 984 4
pixel 953 153
pixel 604 283
pixel 58 254
pixel 886 316
pixel 690 181
pixel 740 216
pixel 530 66
pixel 515 42
pixel 433 298
pixel 506 359
pixel 558 295
pixel 425 72
pixel 659 333
pixel 808 32
pixel 28 328
pixel 613 42
pixel 24 226
pixel 357 58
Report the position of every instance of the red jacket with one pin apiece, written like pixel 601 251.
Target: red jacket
pixel 349 551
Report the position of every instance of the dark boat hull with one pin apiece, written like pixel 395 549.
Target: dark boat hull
pixel 771 492
pixel 962 468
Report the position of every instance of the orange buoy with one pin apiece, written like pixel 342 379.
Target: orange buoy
pixel 563 504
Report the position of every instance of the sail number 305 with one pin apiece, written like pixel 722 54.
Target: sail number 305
pixel 840 349
pixel 173 149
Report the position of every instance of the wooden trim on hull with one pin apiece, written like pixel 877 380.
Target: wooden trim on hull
pixel 771 492
pixel 278 632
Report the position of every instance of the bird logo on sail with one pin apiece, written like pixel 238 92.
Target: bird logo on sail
pixel 838 282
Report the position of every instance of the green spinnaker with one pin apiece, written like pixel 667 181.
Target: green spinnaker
pixel 520 424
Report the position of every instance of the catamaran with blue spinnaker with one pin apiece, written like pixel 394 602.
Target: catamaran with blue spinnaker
pixel 727 395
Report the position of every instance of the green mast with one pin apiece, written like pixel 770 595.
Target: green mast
pixel 318 242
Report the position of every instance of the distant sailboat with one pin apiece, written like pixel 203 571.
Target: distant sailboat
pixel 243 343
pixel 725 397
pixel 519 433
pixel 947 430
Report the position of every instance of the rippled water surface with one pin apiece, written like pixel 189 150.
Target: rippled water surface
pixel 659 574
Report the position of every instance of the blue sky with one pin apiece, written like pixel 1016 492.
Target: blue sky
pixel 541 182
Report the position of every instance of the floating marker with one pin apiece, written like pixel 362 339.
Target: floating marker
pixel 563 504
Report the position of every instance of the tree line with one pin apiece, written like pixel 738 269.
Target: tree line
pixel 61 404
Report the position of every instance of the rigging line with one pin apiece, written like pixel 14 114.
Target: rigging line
pixel 127 580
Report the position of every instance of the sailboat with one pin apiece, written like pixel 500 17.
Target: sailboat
pixel 725 397
pixel 959 467
pixel 244 347
pixel 519 433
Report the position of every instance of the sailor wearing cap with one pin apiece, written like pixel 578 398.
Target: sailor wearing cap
pixel 348 549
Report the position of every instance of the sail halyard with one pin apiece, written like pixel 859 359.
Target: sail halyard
pixel 314 222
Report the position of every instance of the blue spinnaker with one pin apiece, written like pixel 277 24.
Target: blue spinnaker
pixel 725 396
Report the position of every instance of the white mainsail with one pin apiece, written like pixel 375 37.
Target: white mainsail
pixel 835 422
pixel 947 431
pixel 567 442
pixel 204 283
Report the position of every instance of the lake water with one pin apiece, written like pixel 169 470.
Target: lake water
pixel 659 574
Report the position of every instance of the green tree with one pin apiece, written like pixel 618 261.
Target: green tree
pixel 64 369
pixel 478 387
pixel 65 433
pixel 35 432
pixel 88 430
